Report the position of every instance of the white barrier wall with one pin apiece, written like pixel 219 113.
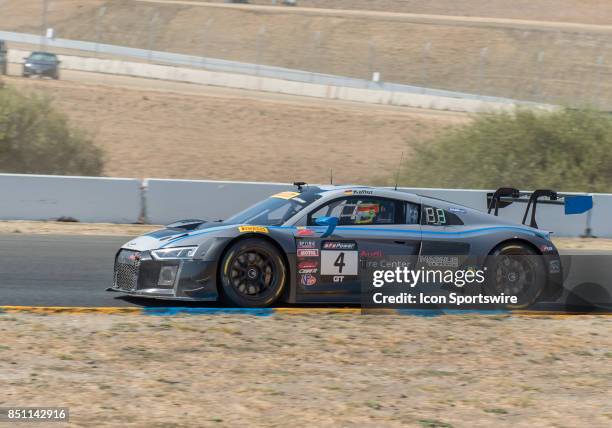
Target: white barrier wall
pixel 267 84
pixel 87 199
pixel 113 200
pixel 171 200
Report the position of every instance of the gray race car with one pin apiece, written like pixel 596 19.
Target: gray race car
pixel 311 245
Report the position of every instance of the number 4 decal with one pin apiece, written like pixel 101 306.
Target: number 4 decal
pixel 339 262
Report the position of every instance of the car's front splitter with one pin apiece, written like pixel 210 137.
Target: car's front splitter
pixel 138 274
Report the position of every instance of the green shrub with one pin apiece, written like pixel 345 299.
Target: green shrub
pixel 37 139
pixel 564 150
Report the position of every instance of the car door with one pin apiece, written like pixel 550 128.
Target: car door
pixel 443 231
pixel 370 229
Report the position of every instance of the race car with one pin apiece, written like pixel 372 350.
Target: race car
pixel 313 245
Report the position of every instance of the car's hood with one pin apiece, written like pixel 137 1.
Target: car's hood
pixel 170 237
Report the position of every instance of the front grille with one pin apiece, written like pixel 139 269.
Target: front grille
pixel 126 270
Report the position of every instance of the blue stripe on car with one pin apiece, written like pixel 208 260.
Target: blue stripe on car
pixel 367 229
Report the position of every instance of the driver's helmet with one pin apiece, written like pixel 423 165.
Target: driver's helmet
pixel 366 213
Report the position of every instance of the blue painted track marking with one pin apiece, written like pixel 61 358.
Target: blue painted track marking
pixel 258 312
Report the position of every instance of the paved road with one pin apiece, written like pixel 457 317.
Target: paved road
pixel 52 270
pixel 59 270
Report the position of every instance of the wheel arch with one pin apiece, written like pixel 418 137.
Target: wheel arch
pixel 261 236
pixel 519 241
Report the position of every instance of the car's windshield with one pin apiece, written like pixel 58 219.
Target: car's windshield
pixel 40 56
pixel 275 210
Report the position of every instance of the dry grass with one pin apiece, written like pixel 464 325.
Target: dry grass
pixel 317 370
pixel 182 131
pixel 581 11
pixel 553 66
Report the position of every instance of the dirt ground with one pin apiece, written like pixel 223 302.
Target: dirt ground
pixel 583 11
pixel 311 370
pixel 169 130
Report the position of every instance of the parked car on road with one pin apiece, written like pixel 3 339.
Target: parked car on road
pixel 42 64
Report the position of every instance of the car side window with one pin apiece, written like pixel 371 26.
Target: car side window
pixel 359 211
pixel 413 212
pixel 433 216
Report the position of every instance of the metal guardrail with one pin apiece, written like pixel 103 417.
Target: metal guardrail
pixel 214 64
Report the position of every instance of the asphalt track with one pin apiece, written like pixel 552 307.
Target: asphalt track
pixel 74 271
pixel 53 270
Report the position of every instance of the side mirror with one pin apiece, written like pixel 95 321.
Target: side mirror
pixel 330 222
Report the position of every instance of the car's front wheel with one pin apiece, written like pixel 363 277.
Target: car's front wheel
pixel 252 274
pixel 515 269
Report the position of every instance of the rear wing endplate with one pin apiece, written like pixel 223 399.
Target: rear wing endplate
pixel 504 196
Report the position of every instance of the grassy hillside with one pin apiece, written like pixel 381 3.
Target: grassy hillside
pixel 584 11
pixel 566 67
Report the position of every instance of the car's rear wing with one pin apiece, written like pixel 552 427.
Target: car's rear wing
pixel 504 196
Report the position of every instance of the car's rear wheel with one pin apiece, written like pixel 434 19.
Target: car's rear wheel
pixel 516 269
pixel 252 274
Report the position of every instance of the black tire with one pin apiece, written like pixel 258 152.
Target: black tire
pixel 516 269
pixel 252 274
pixel 56 75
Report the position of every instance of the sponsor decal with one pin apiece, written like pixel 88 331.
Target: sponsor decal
pixel 440 261
pixel 306 244
pixel 311 271
pixel 358 192
pixel 308 280
pixel 308 264
pixel 554 266
pixel 256 229
pixel 339 262
pixel 376 253
pixel 339 245
pixel 457 210
pixel 285 195
pixel 547 248
pixel 305 252
pixel 305 232
pixel 338 278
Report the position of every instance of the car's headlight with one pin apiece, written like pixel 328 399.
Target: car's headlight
pixel 174 253
pixel 27 64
